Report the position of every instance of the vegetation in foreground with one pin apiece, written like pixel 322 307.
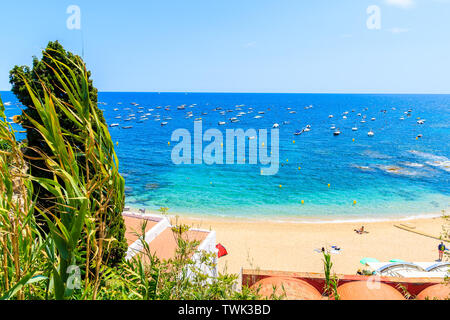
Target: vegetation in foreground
pixel 61 79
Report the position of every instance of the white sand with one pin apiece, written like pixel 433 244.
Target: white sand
pixel 290 246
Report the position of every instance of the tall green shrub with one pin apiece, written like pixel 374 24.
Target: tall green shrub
pixel 61 77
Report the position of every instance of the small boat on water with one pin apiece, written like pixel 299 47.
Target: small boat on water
pixel 276 125
pixel 127 127
pixel 118 117
pixel 333 127
pixel 370 133
pixel 234 119
pixel 373 119
pixel 421 121
pixel 354 129
pixel 330 116
pixel 221 123
pixel 164 123
pixel 114 125
pixel 181 107
pixel 337 132
pixel 258 117
pixel 298 132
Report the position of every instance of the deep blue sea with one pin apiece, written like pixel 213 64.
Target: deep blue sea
pixel 395 173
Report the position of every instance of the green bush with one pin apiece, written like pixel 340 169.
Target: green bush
pixel 59 72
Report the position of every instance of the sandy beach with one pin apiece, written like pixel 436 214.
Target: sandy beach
pixel 291 246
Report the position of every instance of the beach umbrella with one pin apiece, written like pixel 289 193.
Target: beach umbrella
pixel 366 260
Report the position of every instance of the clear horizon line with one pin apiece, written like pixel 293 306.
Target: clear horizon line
pixel 260 92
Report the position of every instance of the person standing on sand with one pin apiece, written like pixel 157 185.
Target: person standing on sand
pixel 441 249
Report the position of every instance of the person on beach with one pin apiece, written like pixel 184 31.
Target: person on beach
pixel 441 249
pixel 361 230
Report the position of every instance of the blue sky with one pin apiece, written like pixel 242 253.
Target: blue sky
pixel 241 46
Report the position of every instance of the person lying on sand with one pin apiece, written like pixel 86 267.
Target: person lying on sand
pixel 361 230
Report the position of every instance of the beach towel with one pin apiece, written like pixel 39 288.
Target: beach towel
pixel 222 251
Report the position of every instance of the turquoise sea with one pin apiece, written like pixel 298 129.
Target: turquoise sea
pixel 402 171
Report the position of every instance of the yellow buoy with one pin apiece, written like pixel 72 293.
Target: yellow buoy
pixel 168 143
pixel 303 201
pixel 17 119
pixel 299 168
pixel 221 145
pixel 354 202
pixel 117 143
pixel 263 144
pixel 293 141
pixel 353 139
pixel 287 160
pixel 329 185
pixel 281 186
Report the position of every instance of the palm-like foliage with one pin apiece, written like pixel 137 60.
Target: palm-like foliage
pixel 20 242
pixel 84 196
